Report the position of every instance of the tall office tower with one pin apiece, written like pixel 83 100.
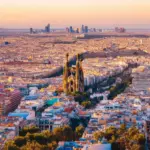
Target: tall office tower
pixel 77 31
pixel 31 30
pixel 86 29
pixel 82 29
pixel 47 28
pixel 70 29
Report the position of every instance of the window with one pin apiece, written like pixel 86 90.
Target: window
pixel 71 82
pixel 71 89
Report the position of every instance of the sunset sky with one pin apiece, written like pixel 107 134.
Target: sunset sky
pixel 62 13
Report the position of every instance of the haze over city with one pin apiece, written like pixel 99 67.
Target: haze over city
pixel 60 13
pixel 75 75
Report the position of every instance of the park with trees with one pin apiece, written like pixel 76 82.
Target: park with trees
pixel 31 138
pixel 122 138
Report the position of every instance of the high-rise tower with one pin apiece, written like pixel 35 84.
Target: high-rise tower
pixel 47 28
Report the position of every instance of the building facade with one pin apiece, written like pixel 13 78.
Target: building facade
pixel 47 123
pixel 9 101
pixel 73 78
pixel 148 132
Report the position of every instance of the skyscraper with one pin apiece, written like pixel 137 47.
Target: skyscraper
pixel 77 31
pixel 31 30
pixel 86 29
pixel 70 29
pixel 82 29
pixel 47 28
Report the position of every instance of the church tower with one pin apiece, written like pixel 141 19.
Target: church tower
pixel 79 75
pixel 65 75
pixel 73 78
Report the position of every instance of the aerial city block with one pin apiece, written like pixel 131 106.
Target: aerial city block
pixel 74 86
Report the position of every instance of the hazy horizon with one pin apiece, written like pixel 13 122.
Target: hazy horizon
pixel 61 13
pixel 147 27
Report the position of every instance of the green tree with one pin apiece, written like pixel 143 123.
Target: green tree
pixel 123 127
pixel 113 139
pixel 110 132
pixel 67 133
pixel 40 138
pixel 29 137
pixel 132 139
pixel 26 130
pixel 58 133
pixel 52 146
pixel 32 146
pixel 20 141
pixel 49 136
pixel 9 145
pixel 86 104
pixel 132 131
pixel 121 130
pixel 139 138
pixel 79 131
pixel 137 147
pixel 98 135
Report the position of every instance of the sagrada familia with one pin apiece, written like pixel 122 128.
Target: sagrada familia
pixel 73 78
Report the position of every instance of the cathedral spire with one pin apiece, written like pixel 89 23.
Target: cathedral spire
pixel 67 55
pixel 77 73
pixel 78 55
pixel 73 79
pixel 65 74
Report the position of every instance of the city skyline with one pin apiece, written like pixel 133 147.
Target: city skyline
pixel 96 13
